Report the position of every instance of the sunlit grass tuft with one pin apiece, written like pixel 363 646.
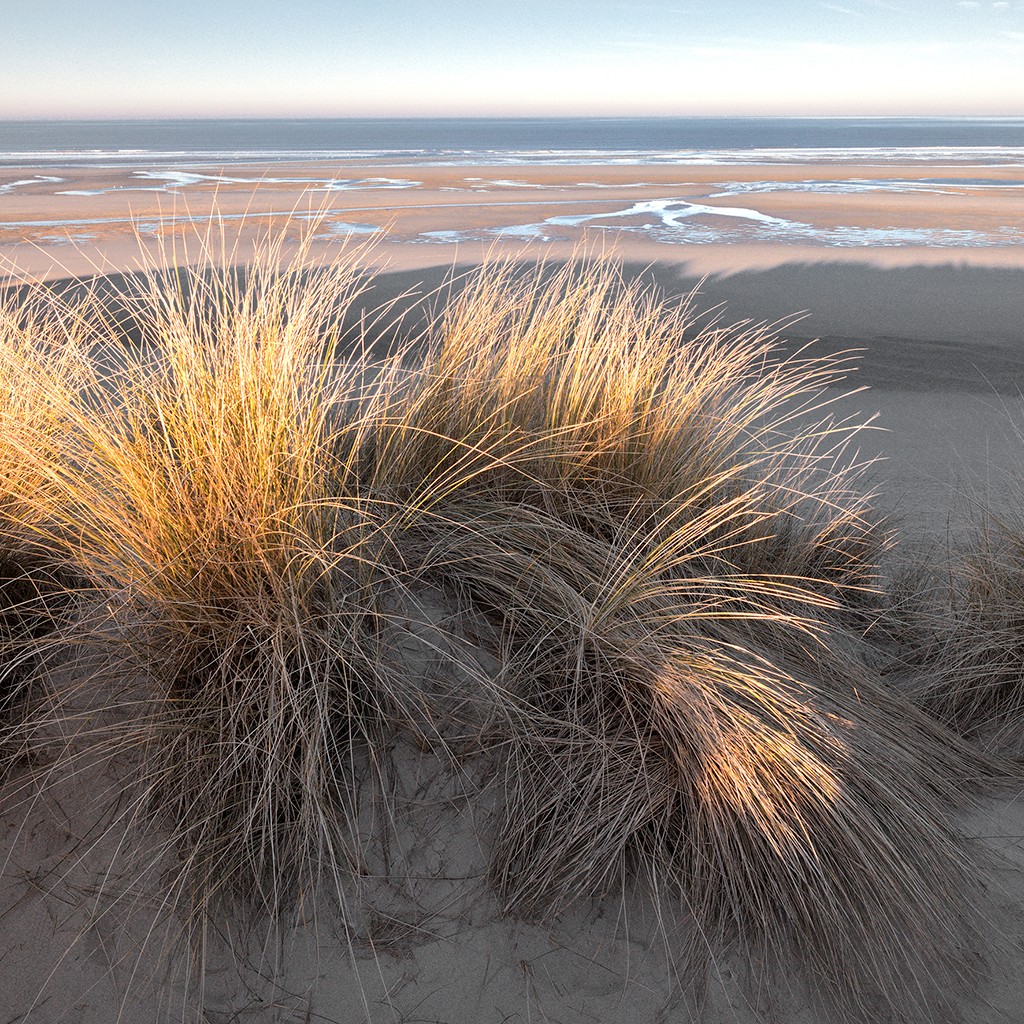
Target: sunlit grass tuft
pixel 680 574
pixel 237 573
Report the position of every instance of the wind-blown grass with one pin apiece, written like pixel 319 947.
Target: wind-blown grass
pixel 674 572
pixel 235 564
pixel 679 578
pixel 960 616
pixel 39 339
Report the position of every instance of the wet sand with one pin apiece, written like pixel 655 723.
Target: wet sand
pixel 421 216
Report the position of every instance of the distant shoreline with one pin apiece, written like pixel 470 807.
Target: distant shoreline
pixel 515 140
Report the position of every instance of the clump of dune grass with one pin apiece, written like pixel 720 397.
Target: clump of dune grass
pixel 679 574
pixel 237 574
pixel 959 620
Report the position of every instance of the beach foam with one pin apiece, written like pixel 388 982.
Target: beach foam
pixel 10 186
pixel 857 186
pixel 971 156
pixel 175 180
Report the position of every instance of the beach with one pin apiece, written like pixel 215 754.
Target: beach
pixel 915 268
pixel 428 215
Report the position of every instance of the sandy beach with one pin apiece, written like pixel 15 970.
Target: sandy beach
pixel 917 268
pixel 724 218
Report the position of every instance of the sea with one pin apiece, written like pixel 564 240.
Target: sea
pixel 984 141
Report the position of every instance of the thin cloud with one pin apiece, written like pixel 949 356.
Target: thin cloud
pixel 841 10
pixel 967 3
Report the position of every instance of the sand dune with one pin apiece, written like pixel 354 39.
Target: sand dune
pixel 88 927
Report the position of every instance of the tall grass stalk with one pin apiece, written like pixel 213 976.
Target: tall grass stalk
pixel 236 566
pixel 960 617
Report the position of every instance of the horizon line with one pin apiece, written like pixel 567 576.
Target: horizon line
pixel 8 119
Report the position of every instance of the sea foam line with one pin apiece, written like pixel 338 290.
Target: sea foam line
pixel 183 179
pixel 1012 156
pixel 860 186
pixel 10 186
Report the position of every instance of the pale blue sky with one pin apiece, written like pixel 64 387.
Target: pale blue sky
pixel 125 58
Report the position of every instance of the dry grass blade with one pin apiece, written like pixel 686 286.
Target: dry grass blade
pixel 239 575
pixel 959 617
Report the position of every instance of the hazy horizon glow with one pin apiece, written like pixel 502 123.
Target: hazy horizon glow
pixel 520 58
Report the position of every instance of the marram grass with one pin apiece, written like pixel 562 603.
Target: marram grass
pixel 679 578
pixel 960 613
pixel 656 539
pixel 201 491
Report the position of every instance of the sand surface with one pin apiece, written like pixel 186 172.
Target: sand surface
pixel 940 331
pixel 424 216
pixel 87 936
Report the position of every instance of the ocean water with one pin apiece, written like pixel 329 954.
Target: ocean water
pixel 674 140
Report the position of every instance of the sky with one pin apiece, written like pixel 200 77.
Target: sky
pixel 312 58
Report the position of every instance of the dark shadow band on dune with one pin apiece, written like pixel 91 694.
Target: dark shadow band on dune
pixel 949 328
pixel 920 328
